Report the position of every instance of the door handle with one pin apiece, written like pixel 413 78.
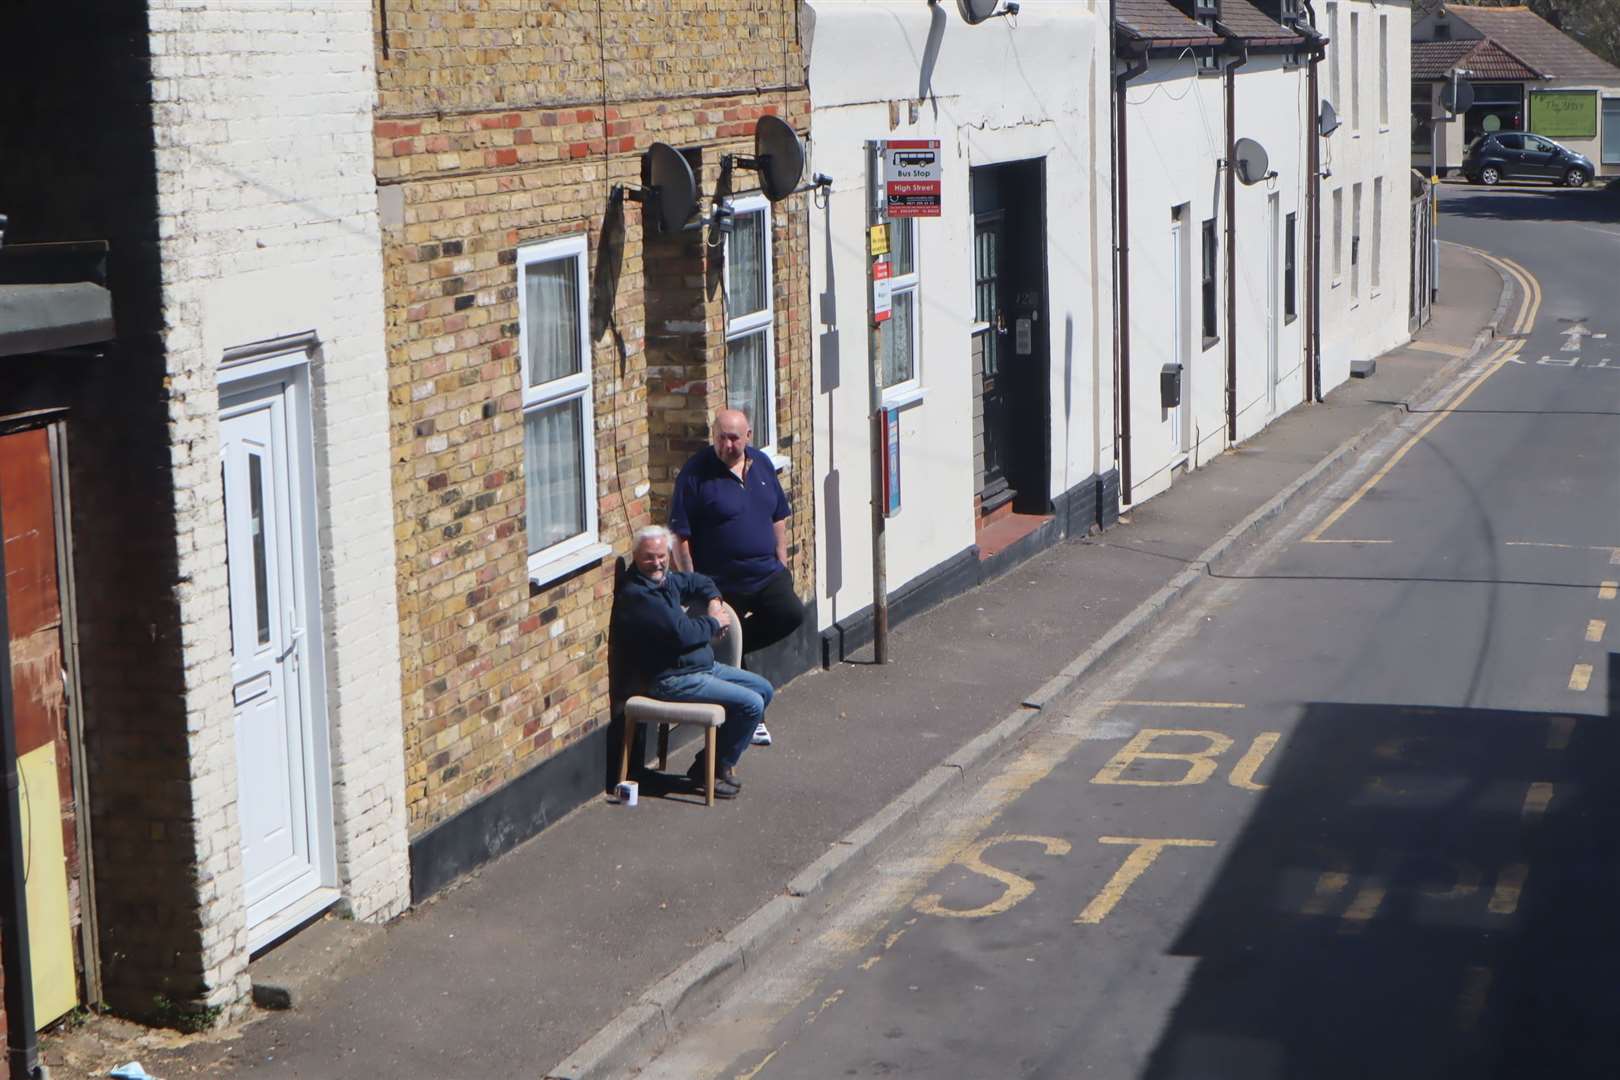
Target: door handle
pixel 292 643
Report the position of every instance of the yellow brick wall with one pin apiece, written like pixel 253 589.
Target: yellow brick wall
pixel 501 127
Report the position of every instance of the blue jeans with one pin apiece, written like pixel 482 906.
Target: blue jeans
pixel 743 694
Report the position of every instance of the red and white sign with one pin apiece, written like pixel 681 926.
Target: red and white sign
pixel 882 292
pixel 912 176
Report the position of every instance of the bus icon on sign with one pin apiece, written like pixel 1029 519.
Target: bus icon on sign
pixel 913 158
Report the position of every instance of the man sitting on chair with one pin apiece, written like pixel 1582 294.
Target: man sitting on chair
pixel 671 652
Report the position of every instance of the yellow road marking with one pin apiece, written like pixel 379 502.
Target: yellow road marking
pixel 1614 557
pixel 1529 305
pixel 751 1073
pixel 1362 908
pixel 1509 884
pixel 1016 888
pixel 1243 772
pixel 1437 347
pixel 1595 628
pixel 1200 763
pixel 1471 999
pixel 1349 541
pixel 1136 863
pixel 1467 884
pixel 1178 704
pixel 1607 590
pixel 1579 676
pixel 1562 727
pixel 1536 799
pixel 1329 883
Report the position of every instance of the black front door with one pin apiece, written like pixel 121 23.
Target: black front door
pixel 1011 428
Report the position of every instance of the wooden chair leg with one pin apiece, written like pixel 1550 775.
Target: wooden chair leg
pixel 708 756
pixel 624 754
pixel 663 748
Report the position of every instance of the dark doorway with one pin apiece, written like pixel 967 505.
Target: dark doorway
pixel 1010 340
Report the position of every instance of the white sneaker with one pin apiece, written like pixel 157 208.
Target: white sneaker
pixel 762 736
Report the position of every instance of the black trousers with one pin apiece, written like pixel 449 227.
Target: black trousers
pixel 769 613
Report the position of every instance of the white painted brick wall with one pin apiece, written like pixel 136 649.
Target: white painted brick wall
pixel 268 226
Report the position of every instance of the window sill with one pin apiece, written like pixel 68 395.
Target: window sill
pixel 543 572
pixel 1383 129
pixel 778 458
pixel 1336 284
pixel 904 397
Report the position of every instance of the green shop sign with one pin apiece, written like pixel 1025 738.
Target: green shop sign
pixel 1564 114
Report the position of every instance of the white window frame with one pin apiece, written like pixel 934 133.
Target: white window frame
pixel 1375 276
pixel 1355 244
pixel 565 556
pixel 1335 47
pixel 1338 236
pixel 1355 73
pixel 1383 73
pixel 911 390
pixel 755 321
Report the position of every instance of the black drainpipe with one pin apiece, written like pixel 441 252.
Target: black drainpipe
pixel 1122 271
pixel 1231 241
pixel 1313 202
pixel 22 1045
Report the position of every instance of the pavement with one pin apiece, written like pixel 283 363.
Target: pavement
pixel 584 948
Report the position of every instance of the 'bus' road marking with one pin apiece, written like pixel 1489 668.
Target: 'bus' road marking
pixel 1509 885
pixel 1607 590
pixel 1136 863
pixel 1595 628
pixel 1580 676
pixel 1200 764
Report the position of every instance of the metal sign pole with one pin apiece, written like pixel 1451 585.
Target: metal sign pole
pixel 874 348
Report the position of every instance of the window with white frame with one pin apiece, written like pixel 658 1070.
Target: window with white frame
pixel 559 454
pixel 1355 71
pixel 750 319
pixel 901 373
pixel 1334 48
pixel 1383 71
pixel 1375 270
pixel 1355 243
pixel 1338 235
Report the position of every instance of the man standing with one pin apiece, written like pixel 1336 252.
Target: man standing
pixel 729 515
pixel 672 655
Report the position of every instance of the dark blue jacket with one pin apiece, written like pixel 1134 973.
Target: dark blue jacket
pixel 652 630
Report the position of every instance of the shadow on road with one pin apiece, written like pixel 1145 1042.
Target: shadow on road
pixel 1422 892
pixel 1534 204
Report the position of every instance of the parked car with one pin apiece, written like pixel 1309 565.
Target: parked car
pixel 1516 155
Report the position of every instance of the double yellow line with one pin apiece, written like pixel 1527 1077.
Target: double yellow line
pixel 1529 306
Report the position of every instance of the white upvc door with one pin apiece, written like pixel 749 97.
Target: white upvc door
pixel 1273 237
pixel 283 804
pixel 1178 330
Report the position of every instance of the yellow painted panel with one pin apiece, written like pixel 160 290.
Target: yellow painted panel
pixel 50 931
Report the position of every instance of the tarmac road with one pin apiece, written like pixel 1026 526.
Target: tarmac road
pixel 1350 813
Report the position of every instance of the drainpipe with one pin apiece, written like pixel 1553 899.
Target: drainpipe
pixel 1231 242
pixel 1313 222
pixel 22 1045
pixel 1122 265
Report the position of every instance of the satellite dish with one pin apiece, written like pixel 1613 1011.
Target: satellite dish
pixel 779 157
pixel 1458 100
pixel 1250 160
pixel 975 12
pixel 1327 120
pixel 674 187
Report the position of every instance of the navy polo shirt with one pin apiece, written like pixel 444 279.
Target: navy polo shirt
pixel 730 521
